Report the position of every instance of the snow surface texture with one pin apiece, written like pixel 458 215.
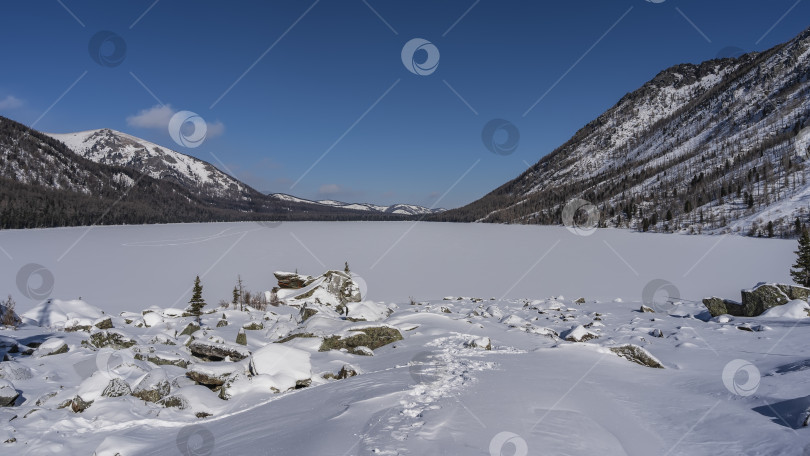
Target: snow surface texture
pixel 438 391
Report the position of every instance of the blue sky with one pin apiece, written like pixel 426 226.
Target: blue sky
pixel 324 106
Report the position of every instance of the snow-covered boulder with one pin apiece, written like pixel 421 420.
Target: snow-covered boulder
pixel 56 313
pixel 14 371
pixel 214 373
pixel 112 338
pixel 578 334
pixel 367 311
pixel 52 346
pixel 153 387
pixel 152 319
pixel 288 367
pixel 217 351
pixel 78 324
pixel 8 394
pixel 482 342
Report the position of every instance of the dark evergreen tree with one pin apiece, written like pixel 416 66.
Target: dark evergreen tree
pixel 801 269
pixel 197 302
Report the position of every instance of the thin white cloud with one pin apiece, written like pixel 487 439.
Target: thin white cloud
pixel 10 102
pixel 154 117
pixel 158 116
pixel 330 190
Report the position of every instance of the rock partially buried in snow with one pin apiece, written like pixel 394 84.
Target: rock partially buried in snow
pixel 216 351
pixel 578 334
pixel 288 367
pixel 718 306
pixel 482 342
pixel 215 373
pixel 103 323
pixel 112 338
pixel 153 387
pixel 646 309
pixel 367 311
pixel 54 346
pixel 637 355
pixel 8 394
pixel 369 338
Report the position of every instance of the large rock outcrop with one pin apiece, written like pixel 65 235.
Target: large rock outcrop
pixel 292 280
pixel 333 287
pixel 757 300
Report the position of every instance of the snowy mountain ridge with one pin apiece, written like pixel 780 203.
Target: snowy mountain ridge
pixel 719 146
pixel 113 147
pixel 400 209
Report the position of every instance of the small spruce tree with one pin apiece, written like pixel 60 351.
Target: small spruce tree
pixel 235 300
pixel 801 269
pixel 346 268
pixel 196 303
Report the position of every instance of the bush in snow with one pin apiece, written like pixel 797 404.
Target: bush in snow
pixel 7 315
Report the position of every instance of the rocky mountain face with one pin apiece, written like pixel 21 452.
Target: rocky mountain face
pixel 717 147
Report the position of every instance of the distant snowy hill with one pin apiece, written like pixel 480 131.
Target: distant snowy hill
pixel 399 209
pixel 108 177
pixel 112 147
pixel 717 147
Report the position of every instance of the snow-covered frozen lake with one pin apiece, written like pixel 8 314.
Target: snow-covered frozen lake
pixel 133 267
pixel 722 390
